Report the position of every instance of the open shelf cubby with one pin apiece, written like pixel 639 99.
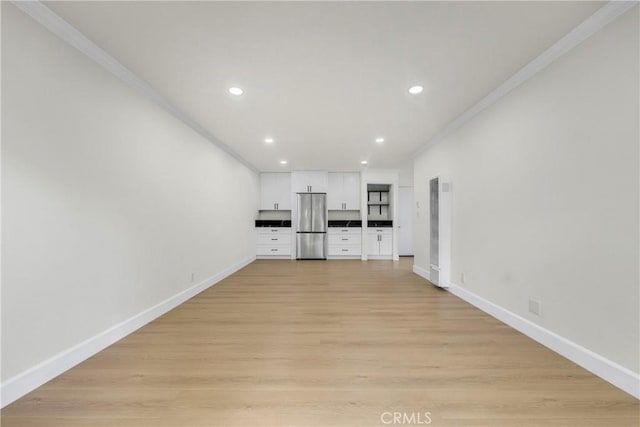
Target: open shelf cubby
pixel 377 196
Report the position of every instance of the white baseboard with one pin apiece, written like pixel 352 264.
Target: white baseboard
pixel 606 369
pixel 379 257
pixel 422 272
pixel 27 381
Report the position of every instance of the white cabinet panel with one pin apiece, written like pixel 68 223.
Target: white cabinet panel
pixel 386 244
pixel 345 242
pixel 380 242
pixel 351 190
pixel 310 182
pixel 346 239
pixel 344 191
pixel 273 241
pixel 334 195
pixel 273 250
pixel 345 250
pixel 275 191
pixel 373 244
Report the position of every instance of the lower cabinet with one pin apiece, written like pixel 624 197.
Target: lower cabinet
pixel 273 242
pixel 380 242
pixel 345 242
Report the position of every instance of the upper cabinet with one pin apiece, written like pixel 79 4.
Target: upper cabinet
pixel 344 191
pixel 275 191
pixel 310 182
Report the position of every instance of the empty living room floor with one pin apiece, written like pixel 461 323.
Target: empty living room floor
pixel 336 343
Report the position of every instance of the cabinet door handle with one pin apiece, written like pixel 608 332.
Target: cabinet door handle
pixel 274 250
pixel 345 239
pixel 276 239
pixel 345 250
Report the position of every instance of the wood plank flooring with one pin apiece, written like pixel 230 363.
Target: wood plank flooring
pixel 338 343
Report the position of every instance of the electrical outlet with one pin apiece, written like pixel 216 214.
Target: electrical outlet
pixel 534 306
pixel 462 278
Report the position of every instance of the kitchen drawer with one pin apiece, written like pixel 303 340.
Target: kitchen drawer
pixel 273 230
pixel 273 250
pixel 382 230
pixel 274 239
pixel 350 250
pixel 345 239
pixel 345 230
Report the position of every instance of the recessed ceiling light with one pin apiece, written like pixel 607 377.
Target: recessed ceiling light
pixel 283 162
pixel 379 140
pixel 235 91
pixel 414 90
pixel 268 140
pixel 364 162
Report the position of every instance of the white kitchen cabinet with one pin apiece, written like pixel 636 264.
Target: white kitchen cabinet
pixel 310 182
pixel 345 242
pixel 275 191
pixel 386 244
pixel 351 188
pixel 373 243
pixel 380 242
pixel 334 195
pixel 344 191
pixel 273 242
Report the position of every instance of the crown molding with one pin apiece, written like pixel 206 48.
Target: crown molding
pixel 583 31
pixel 61 28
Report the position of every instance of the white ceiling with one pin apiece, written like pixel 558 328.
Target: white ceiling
pixel 324 79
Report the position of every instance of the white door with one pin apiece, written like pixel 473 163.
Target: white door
pixel 405 221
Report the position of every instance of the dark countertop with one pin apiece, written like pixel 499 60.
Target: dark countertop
pixel 380 223
pixel 273 223
pixel 345 223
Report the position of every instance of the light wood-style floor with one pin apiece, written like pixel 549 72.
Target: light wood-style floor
pixel 338 343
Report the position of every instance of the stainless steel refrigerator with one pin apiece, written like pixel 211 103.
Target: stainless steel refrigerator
pixel 311 226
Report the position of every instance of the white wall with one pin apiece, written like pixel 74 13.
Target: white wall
pixel 545 196
pixel 109 204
